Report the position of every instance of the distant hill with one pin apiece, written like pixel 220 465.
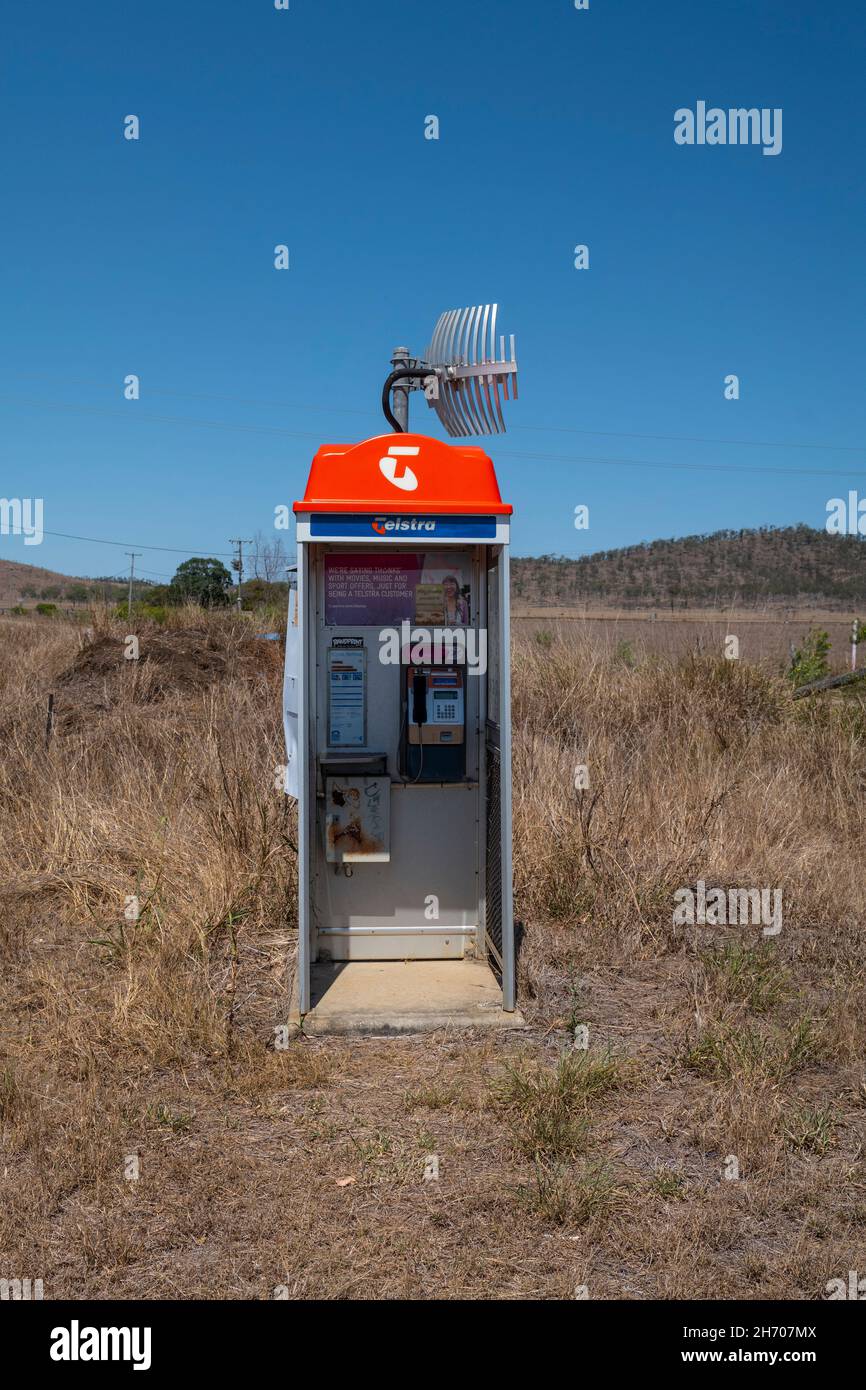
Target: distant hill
pixel 785 565
pixel 792 564
pixel 28 583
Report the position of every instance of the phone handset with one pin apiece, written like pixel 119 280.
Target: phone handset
pixel 419 698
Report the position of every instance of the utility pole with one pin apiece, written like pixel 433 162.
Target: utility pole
pixel 133 556
pixel 238 564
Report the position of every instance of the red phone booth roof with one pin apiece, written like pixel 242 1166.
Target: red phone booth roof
pixel 403 473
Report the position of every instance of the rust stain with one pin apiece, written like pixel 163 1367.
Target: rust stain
pixel 351 837
pixel 355 820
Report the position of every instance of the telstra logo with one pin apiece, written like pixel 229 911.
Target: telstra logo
pixel 385 526
pixel 397 473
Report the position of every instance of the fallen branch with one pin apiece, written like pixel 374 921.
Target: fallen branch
pixel 830 682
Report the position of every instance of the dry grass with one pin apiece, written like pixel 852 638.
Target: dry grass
pixel 765 634
pixel 151 1039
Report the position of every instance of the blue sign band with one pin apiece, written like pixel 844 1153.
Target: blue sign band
pixel 403 528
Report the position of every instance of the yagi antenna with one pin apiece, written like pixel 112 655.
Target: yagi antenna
pixel 468 372
pixel 460 373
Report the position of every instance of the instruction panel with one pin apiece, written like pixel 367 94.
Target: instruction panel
pixel 347 695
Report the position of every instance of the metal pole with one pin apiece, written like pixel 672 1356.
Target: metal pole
pixel 133 556
pixel 400 392
pixel 509 964
pixel 239 566
pixel 306 803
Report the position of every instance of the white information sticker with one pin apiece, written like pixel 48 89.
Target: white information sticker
pixel 346 697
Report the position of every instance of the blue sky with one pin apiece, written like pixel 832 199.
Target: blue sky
pixel 306 127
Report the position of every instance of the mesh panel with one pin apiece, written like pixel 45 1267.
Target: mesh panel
pixel 494 852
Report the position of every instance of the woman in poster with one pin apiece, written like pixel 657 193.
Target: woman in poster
pixel 456 607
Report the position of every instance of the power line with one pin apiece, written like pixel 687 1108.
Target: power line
pixel 154 574
pixel 578 459
pixel 308 405
pixel 508 453
pixel 139 416
pixel 698 439
pixel 326 408
pixel 202 550
pixel 169 549
pixel 688 467
pixel 556 429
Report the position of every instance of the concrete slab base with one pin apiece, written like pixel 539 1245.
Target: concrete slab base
pixel 381 997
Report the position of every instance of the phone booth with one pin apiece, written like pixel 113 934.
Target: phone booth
pixel 397 717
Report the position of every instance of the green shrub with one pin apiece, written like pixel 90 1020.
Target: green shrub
pixel 144 612
pixel 809 662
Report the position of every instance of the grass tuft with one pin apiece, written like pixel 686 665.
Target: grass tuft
pixel 572 1196
pixel 548 1107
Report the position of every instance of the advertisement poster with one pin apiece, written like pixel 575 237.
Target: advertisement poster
pixel 366 590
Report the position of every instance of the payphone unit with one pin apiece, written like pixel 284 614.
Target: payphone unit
pixel 434 748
